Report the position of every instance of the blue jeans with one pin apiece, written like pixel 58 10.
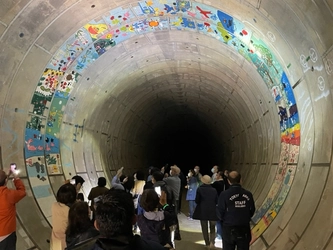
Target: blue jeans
pixel 219 228
pixel 192 206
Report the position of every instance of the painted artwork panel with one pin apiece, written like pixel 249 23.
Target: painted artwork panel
pixel 151 24
pixel 154 8
pixel 70 50
pixel 39 102
pixel 35 123
pixel 51 144
pixel 86 58
pixel 96 28
pixel 105 43
pixel 36 169
pixel 48 83
pixel 273 66
pixel 55 117
pixel 119 16
pixel 40 184
pixel 67 83
pixel 34 143
pixel 53 163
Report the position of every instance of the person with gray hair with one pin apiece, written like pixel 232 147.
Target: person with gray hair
pixel 174 182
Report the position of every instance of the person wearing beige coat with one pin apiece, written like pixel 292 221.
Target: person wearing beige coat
pixel 66 196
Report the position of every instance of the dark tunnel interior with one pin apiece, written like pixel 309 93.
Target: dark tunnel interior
pixel 186 141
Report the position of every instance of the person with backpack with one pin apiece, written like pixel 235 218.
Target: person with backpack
pixel 156 221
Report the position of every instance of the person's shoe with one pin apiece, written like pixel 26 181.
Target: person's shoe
pixel 212 245
pixel 218 237
pixel 189 218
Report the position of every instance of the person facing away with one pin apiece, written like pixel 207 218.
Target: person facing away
pixel 114 220
pixel 66 197
pixel 8 199
pixel 219 185
pixel 156 220
pixel 149 184
pixel 174 182
pixel 205 211
pixel 80 227
pixel 225 178
pixel 192 186
pixel 97 191
pixel 236 208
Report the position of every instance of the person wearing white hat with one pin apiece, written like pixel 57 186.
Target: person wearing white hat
pixel 205 211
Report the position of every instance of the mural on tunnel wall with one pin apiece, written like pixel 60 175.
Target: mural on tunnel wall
pixel 87 44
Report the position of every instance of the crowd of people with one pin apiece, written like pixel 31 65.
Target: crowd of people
pixel 140 213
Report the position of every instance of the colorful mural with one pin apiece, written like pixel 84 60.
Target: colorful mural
pixel 97 36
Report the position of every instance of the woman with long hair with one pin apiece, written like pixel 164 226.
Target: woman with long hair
pixel 66 197
pixel 80 227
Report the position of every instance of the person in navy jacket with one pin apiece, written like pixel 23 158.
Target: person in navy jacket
pixel 205 211
pixel 235 209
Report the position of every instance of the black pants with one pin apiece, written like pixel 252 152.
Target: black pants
pixel 9 243
pixel 233 236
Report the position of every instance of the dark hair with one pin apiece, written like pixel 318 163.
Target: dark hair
pixel 234 178
pixel 78 179
pixel 80 197
pixel 140 176
pixel 115 213
pixel 3 177
pixel 158 176
pixel 78 219
pixel 2 183
pixel 149 200
pixel 192 171
pixel 154 169
pixel 101 182
pixel 66 194
pixel 220 172
pixel 129 184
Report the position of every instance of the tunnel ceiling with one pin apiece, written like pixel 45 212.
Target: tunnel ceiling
pixel 109 84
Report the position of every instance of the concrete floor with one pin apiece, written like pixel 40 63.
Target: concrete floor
pixel 191 235
pixel 190 231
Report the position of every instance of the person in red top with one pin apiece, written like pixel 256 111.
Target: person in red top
pixel 8 199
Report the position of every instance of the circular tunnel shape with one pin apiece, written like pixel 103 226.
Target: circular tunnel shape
pixel 186 83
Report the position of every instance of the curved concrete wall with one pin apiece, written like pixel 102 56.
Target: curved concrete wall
pixel 88 86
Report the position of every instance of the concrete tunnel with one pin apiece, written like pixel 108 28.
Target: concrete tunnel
pixel 89 86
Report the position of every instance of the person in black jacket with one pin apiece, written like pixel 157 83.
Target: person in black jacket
pixel 115 217
pixel 219 186
pixel 205 211
pixel 79 228
pixel 236 207
pixel 157 219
